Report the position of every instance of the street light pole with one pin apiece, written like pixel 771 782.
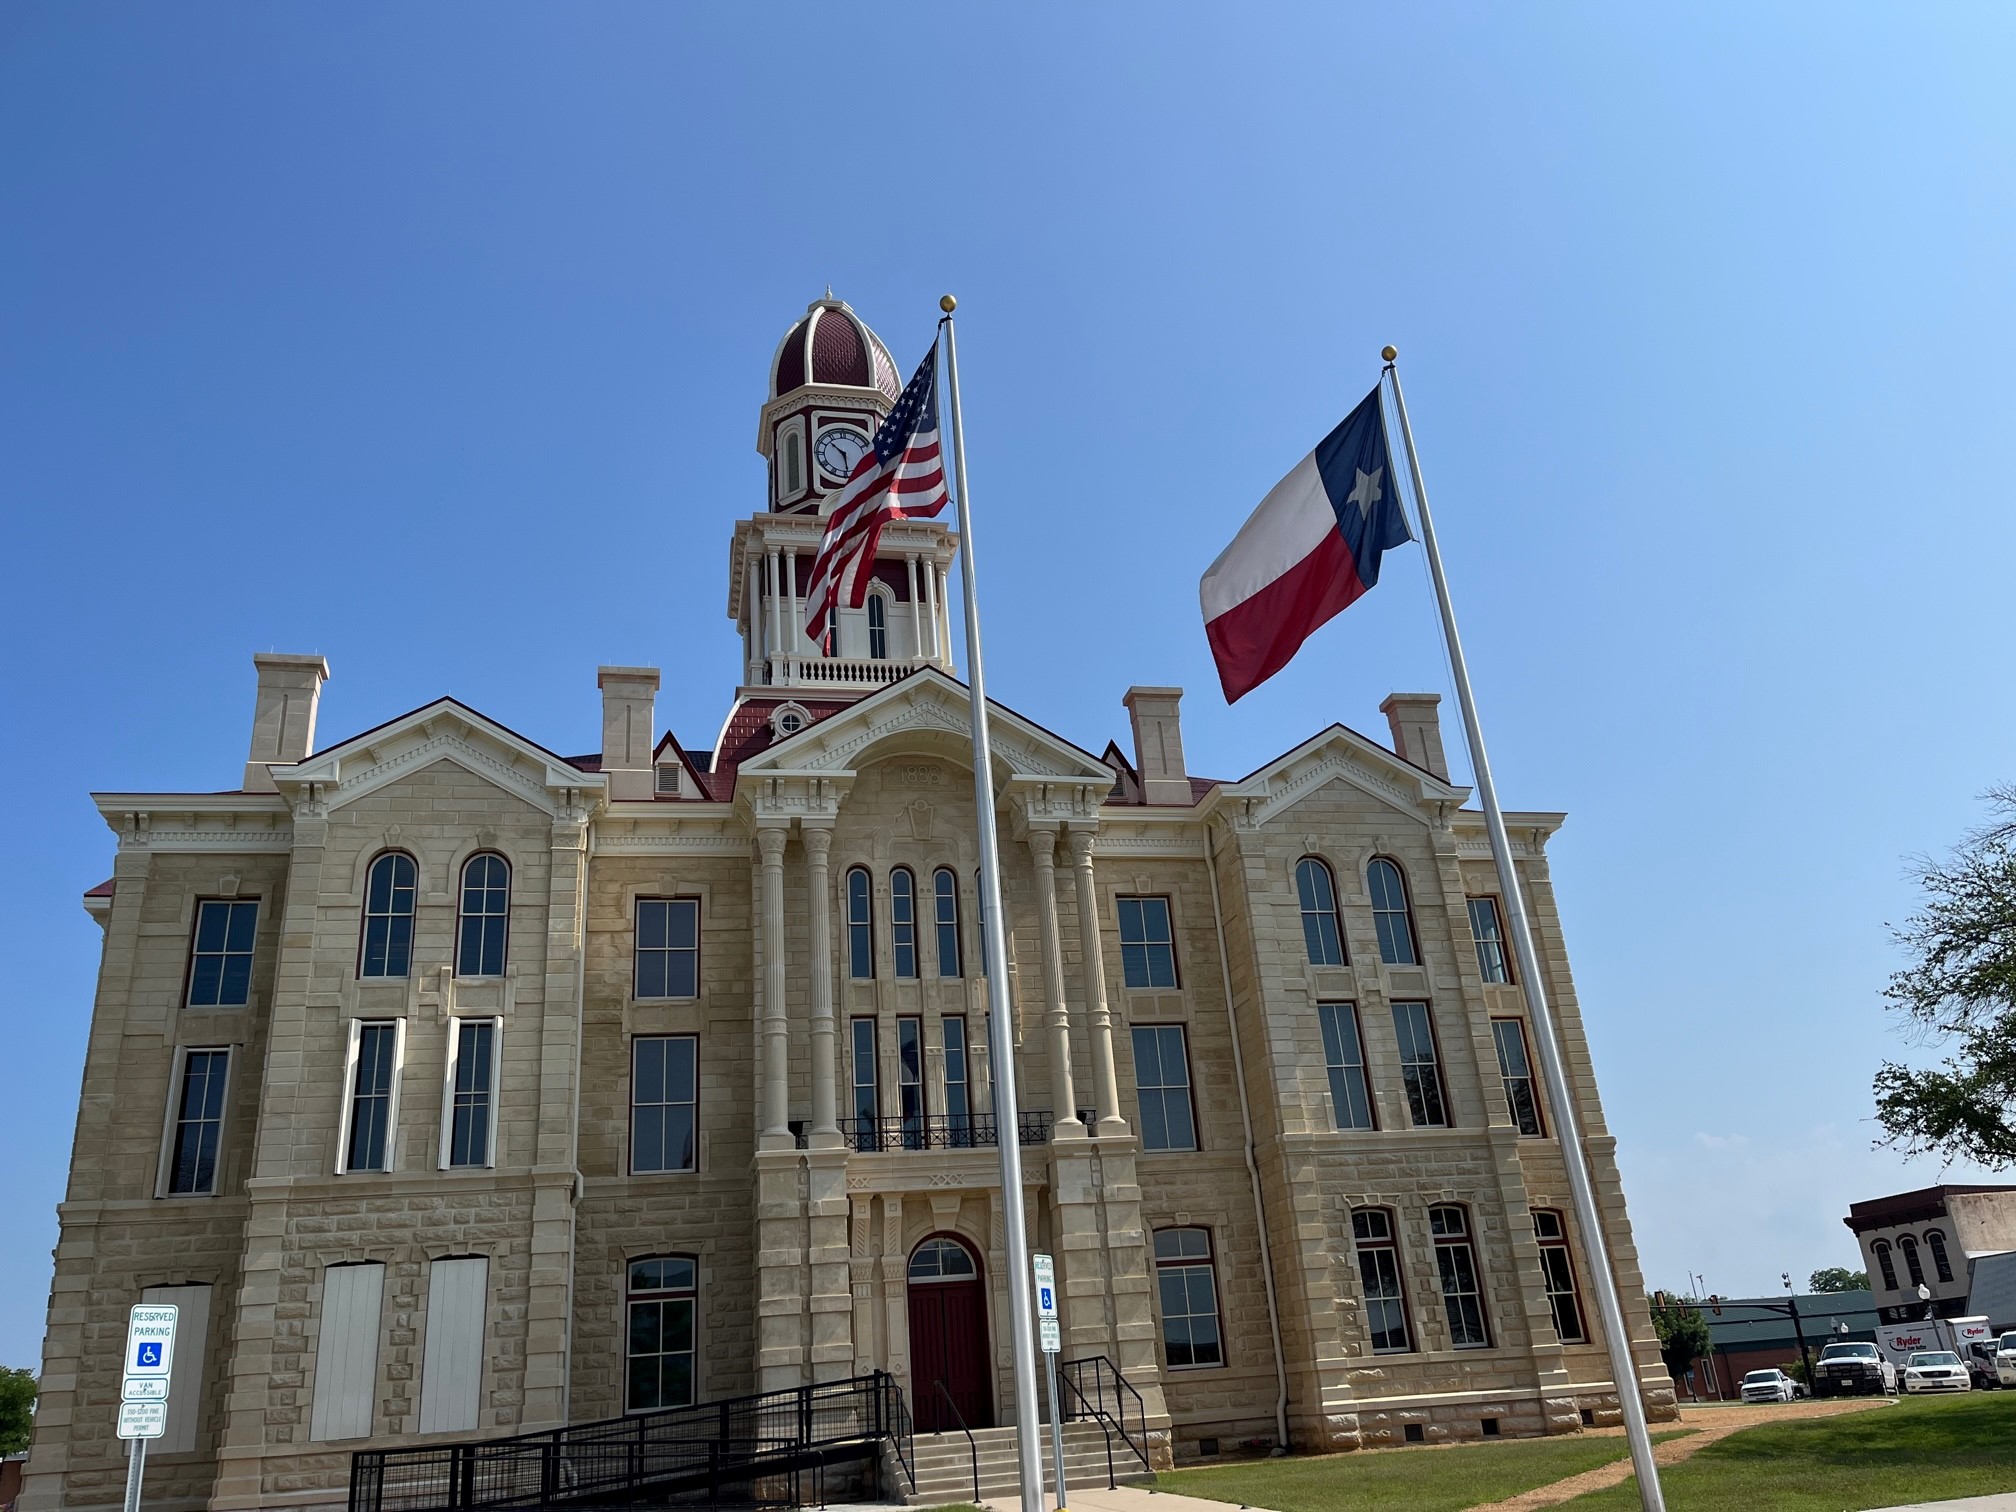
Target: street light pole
pixel 1798 1330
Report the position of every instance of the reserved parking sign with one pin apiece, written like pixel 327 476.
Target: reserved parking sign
pixel 150 1340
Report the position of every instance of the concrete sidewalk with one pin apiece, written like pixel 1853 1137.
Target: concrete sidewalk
pixel 2004 1501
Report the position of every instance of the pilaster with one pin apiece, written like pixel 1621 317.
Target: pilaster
pixel 1064 1121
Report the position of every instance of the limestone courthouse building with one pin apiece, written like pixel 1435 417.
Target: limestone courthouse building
pixel 455 1089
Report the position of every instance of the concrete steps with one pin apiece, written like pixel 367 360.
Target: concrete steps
pixel 945 1465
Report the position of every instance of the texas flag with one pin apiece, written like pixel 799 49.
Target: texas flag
pixel 1309 550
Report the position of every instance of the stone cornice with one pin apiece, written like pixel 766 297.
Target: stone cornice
pixel 247 823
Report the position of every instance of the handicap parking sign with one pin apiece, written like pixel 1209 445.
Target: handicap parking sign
pixel 147 1354
pixel 150 1339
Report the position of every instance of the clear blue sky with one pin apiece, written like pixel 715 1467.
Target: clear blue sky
pixel 357 331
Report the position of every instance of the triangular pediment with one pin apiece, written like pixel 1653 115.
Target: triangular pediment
pixel 440 731
pixel 1341 754
pixel 930 711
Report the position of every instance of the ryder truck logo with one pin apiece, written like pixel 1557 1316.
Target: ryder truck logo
pixel 1903 1342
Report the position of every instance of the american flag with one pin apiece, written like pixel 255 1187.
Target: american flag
pixel 901 477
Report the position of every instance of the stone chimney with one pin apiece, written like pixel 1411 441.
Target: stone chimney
pixel 1158 744
pixel 283 719
pixel 1417 729
pixel 629 730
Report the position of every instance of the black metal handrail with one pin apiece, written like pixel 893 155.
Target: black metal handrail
pixel 944 1131
pixel 1083 1411
pixel 1107 1398
pixel 604 1460
pixel 972 1444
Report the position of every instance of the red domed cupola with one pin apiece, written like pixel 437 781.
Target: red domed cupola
pixel 831 345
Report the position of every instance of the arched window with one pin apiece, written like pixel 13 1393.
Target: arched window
pixel 1881 1249
pixel 860 927
pixel 945 885
pixel 662 1323
pixel 1391 913
pixel 794 464
pixel 942 1260
pixel 486 916
pixel 1911 1263
pixel 1456 1265
pixel 388 916
pixel 1186 1284
pixel 878 627
pixel 1378 1250
pixel 1935 1241
pixel 1318 891
pixel 903 922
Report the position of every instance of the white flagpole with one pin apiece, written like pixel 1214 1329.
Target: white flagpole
pixel 1567 1128
pixel 1007 1126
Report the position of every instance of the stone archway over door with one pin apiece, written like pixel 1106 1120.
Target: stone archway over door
pixel 948 1338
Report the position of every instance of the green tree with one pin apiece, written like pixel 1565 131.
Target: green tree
pixel 1837 1278
pixel 1959 992
pixel 17 1408
pixel 1683 1332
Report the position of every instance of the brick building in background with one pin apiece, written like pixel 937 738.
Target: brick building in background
pixel 455 1088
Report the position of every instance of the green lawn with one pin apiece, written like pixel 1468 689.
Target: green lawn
pixel 1421 1480
pixel 1922 1449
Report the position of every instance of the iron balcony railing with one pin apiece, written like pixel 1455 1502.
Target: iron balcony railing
pixel 647 1453
pixel 969 1131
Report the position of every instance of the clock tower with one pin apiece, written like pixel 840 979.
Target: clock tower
pixel 832 382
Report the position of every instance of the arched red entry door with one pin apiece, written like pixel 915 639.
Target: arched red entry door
pixel 948 1337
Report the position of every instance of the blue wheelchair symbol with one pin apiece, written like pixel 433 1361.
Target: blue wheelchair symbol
pixel 147 1355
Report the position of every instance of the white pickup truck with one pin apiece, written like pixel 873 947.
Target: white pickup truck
pixel 2005 1359
pixel 1853 1370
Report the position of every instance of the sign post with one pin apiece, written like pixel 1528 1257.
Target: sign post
pixel 143 1394
pixel 1050 1332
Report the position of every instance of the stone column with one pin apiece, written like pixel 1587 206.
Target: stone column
pixel 916 605
pixel 770 841
pixel 931 603
pixel 1105 1083
pixel 791 627
pixel 1064 1112
pixel 825 1126
pixel 775 616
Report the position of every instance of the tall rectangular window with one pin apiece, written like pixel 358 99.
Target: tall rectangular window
pixel 220 954
pixel 470 1127
pixel 867 1104
pixel 1516 1072
pixel 664 1104
pixel 374 1089
pixel 945 890
pixel 668 948
pixel 1379 1277
pixel 903 923
pixel 1344 1055
pixel 910 1080
pixel 1456 1265
pixel 659 1333
pixel 1186 1284
pixel 958 1087
pixel 1420 1070
pixel 1147 945
pixel 1162 1079
pixel 1490 936
pixel 1557 1270
pixel 199 1123
pixel 860 928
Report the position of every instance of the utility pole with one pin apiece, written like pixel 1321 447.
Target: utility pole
pixel 1798 1331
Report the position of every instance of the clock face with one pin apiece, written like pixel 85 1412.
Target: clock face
pixel 839 449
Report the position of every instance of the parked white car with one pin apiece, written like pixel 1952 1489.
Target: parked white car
pixel 1936 1370
pixel 2005 1358
pixel 1855 1368
pixel 1769 1386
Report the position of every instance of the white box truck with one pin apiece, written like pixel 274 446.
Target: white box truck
pixel 1969 1338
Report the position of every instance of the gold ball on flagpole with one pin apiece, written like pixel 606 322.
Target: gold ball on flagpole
pixel 1389 353
pixel 948 304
